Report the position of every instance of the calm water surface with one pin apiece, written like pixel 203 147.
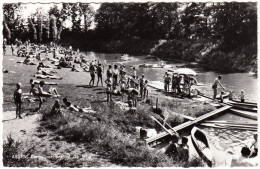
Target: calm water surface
pixel 231 81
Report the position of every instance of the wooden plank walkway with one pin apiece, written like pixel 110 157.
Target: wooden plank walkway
pixel 156 85
pixel 187 124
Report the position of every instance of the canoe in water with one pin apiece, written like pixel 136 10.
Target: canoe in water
pixel 201 144
pixel 151 65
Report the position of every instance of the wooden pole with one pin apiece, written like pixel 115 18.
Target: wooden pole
pixel 161 125
pixel 156 103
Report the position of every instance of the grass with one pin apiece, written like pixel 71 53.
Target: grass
pixel 110 132
pixel 16 155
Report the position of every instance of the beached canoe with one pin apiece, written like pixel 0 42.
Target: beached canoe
pixel 201 144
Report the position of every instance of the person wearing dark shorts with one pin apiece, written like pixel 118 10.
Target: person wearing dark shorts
pixel 141 83
pixel 92 74
pixel 99 74
pixel 18 100
pixel 115 76
pixel 109 71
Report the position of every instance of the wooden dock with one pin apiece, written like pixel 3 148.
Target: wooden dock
pixel 156 85
pixel 187 124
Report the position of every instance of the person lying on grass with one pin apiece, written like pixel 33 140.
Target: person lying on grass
pixel 47 76
pixel 71 107
pixel 44 71
pixel 38 82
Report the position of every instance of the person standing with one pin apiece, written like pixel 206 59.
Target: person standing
pixel 167 81
pixel 99 74
pixel 145 90
pixel 215 86
pixel 18 100
pixel 115 75
pixel 92 74
pixel 109 89
pixel 141 83
pixel 109 72
pixel 134 72
pixel 12 48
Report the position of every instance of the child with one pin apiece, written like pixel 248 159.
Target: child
pixel 242 96
pixel 73 69
pixel 231 95
pixel 18 100
pixel 145 94
pixel 167 81
pixel 221 97
pixel 109 89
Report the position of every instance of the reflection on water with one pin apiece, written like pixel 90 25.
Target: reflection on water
pixel 231 81
pixel 230 140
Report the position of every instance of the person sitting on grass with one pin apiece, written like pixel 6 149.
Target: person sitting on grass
pixel 73 69
pixel 56 107
pixel 18 100
pixel 28 61
pixel 242 96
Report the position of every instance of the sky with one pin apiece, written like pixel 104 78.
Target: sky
pixel 30 8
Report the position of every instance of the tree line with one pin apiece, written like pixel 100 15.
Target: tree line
pixel 233 23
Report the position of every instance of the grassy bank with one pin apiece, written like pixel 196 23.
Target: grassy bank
pixel 110 132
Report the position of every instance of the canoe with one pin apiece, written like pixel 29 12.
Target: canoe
pixel 201 144
pixel 236 102
pixel 244 107
pixel 151 65
pixel 251 115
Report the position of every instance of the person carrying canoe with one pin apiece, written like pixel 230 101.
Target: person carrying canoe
pixel 215 86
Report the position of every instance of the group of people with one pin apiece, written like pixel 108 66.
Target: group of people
pixel 181 83
pixel 230 95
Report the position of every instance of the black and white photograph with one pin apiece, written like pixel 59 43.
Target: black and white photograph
pixel 129 83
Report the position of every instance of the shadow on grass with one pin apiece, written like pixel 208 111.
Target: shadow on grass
pixel 85 86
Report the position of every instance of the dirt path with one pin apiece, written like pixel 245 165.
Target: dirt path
pixel 48 148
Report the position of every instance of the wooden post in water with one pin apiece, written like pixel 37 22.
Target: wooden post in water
pixel 156 103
